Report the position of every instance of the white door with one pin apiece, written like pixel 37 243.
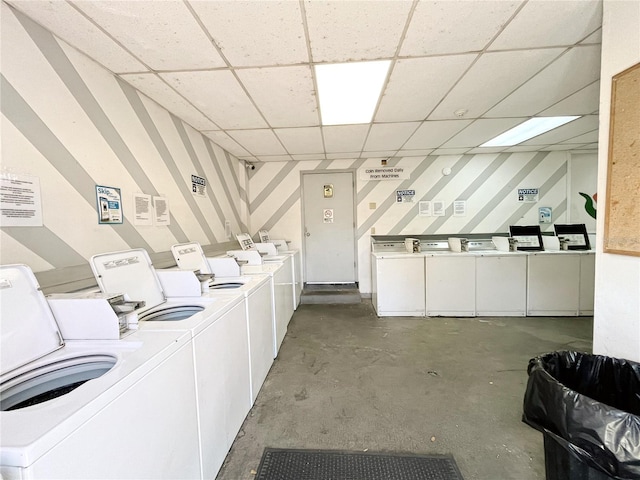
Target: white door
pixel 329 227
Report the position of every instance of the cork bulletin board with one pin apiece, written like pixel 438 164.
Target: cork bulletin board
pixel 622 215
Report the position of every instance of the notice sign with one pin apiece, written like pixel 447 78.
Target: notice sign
pixel 109 203
pixel 161 208
pixel 198 186
pixel 383 173
pixel 528 195
pixel 327 215
pixel 405 196
pixel 20 201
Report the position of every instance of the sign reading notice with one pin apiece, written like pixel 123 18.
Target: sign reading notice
pixel 405 196
pixel 199 186
pixel 528 195
pixel 384 173
pixel 20 201
pixel 109 204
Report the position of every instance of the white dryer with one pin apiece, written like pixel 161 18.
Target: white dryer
pixel 82 409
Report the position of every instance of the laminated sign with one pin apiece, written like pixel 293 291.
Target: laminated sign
pixel 198 186
pixel 405 196
pixel 109 202
pixel 528 195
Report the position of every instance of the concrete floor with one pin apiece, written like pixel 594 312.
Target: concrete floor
pixel 346 379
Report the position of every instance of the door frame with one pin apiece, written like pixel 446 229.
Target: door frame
pixel 354 178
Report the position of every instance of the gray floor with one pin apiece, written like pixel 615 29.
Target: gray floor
pixel 346 379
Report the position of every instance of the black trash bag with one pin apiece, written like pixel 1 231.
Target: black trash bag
pixel 590 405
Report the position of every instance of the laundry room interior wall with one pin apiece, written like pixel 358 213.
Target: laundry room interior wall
pixel 488 183
pixel 70 123
pixel 616 320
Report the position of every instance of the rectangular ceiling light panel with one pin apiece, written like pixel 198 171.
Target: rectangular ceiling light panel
pixel 529 129
pixel 349 92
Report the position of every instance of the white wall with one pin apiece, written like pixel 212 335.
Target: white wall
pixel 617 300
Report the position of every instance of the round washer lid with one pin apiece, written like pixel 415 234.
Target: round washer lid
pixel 28 328
pixel 129 272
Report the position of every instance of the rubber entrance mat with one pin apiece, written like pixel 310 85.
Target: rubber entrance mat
pixel 284 464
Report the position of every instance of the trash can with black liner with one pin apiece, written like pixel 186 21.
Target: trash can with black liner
pixel 587 407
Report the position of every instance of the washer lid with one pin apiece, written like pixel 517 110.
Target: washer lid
pixel 189 256
pixel 129 272
pixel 28 329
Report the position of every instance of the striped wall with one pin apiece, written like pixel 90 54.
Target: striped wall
pixel 72 124
pixel 488 183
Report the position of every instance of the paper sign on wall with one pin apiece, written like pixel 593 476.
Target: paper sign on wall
pixel 405 196
pixel 327 215
pixel 161 208
pixel 424 209
pixel 142 209
pixel 460 208
pixel 109 203
pixel 383 173
pixel 528 195
pixel 438 208
pixel 198 186
pixel 20 201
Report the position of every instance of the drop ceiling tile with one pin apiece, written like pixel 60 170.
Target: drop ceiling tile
pixel 312 156
pixel 160 92
pixel 163 35
pixel 595 37
pixel 301 140
pixel 379 154
pixel 342 31
pixel 482 130
pixel 385 136
pixel 259 142
pixel 504 71
pixel 414 153
pixel 481 150
pixel 583 102
pixel 574 70
pixel 589 146
pixel 251 33
pixel 527 148
pixel 455 26
pixel 71 26
pixel 433 134
pixel 274 158
pixel 450 151
pixel 343 156
pixel 284 95
pixel 567 131
pixel 589 137
pixel 344 138
pixel 417 85
pixel 226 142
pixel 560 147
pixel 545 24
pixel 219 95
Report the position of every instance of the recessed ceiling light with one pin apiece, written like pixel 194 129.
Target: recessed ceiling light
pixel 349 92
pixel 529 129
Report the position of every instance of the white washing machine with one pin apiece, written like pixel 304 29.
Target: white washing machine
pixel 90 409
pixel 220 341
pixel 281 272
pixel 257 291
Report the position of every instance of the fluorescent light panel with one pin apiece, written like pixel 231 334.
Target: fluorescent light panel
pixel 529 129
pixel 349 92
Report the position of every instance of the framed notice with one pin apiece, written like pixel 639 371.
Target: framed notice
pixel 622 215
pixel 109 203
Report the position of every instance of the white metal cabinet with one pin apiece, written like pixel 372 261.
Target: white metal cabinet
pixel 451 285
pixel 587 282
pixel 398 285
pixel 501 284
pixel 553 283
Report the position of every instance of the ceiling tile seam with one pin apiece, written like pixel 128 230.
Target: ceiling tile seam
pixel 505 25
pixel 390 72
pixel 114 40
pixel 566 97
pixel 234 73
pixel 307 38
pixel 579 42
pixel 560 55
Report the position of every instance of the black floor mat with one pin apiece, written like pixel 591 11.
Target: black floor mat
pixel 284 464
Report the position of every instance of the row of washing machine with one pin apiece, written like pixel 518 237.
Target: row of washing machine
pixel 152 377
